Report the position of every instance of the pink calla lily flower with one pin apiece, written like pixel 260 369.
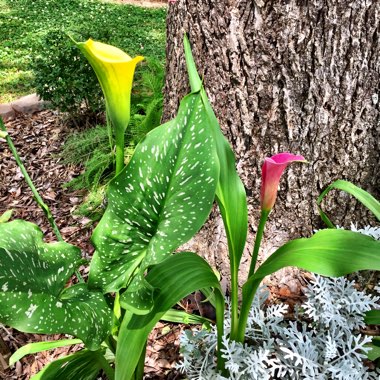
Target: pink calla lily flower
pixel 271 173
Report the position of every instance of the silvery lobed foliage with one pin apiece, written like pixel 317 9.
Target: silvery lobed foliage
pixel 374 232
pixel 323 343
pixel 342 306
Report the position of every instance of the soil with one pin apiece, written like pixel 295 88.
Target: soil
pixel 38 139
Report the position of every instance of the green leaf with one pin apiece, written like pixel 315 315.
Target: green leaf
pixel 361 195
pixel 194 79
pixel 83 365
pixel 32 348
pixel 179 316
pixel 329 252
pixel 374 353
pixel 372 317
pixel 158 202
pixel 178 276
pixel 33 297
pixel 6 216
pixel 230 192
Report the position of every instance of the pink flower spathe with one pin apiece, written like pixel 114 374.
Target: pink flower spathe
pixel 272 170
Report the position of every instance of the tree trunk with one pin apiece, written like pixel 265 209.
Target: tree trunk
pixel 298 76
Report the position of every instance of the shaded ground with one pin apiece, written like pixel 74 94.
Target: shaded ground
pixel 144 3
pixel 38 139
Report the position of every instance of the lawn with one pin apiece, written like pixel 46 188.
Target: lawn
pixel 24 23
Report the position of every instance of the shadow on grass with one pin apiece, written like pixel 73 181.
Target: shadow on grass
pixel 25 23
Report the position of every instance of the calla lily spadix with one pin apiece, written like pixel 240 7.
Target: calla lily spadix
pixel 114 70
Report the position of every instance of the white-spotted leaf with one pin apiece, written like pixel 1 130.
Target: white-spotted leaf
pixel 33 297
pixel 158 202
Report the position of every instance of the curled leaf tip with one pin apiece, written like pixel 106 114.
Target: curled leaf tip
pixel 3 134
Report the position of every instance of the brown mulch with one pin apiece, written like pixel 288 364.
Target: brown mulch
pixel 39 139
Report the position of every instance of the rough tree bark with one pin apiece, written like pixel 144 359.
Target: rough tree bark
pixel 286 75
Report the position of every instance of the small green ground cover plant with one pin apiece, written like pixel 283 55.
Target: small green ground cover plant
pixel 156 202
pixel 25 25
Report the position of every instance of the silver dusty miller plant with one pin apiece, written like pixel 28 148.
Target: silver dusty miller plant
pixel 324 342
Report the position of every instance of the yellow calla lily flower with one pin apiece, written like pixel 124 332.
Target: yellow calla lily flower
pixel 114 69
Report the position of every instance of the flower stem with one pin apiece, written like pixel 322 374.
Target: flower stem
pixel 37 197
pixel 109 131
pixel 247 301
pixel 244 312
pixel 119 139
pixel 234 302
pixel 111 343
pixel 259 236
pixel 220 307
pixel 28 180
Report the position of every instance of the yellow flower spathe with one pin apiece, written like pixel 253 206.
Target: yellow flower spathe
pixel 114 69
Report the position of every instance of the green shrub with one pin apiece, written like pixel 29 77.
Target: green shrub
pixel 63 77
pixel 92 149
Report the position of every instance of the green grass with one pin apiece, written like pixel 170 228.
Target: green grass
pixel 24 23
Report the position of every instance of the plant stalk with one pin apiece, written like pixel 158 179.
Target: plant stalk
pixel 45 208
pixel 39 200
pixel 234 300
pixel 119 132
pixel 220 307
pixel 139 371
pixel 244 312
pixel 259 235
pixel 119 152
pixel 109 131
pixel 111 343
pixel 246 305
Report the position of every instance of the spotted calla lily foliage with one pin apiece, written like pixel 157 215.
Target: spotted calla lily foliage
pixel 158 202
pixel 33 297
